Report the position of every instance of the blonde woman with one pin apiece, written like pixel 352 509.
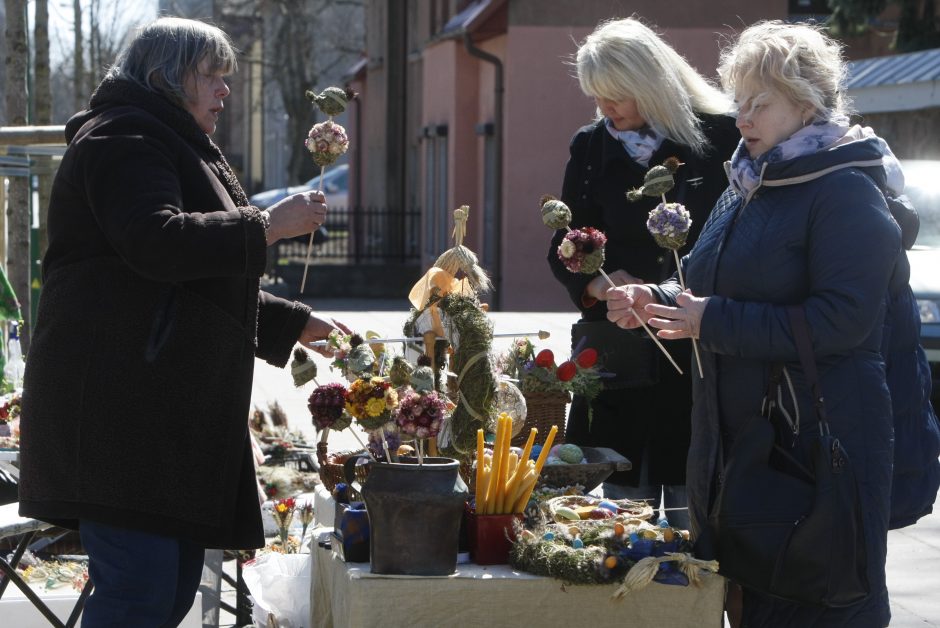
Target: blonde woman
pixel 651 105
pixel 805 222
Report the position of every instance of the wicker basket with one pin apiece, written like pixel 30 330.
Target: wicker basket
pixel 331 467
pixel 543 410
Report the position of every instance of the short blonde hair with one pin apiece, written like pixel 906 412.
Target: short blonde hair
pixel 626 59
pixel 797 61
pixel 164 53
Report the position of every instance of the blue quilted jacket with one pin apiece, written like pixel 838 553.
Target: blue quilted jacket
pixel 816 232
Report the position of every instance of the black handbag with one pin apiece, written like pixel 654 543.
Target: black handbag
pixel 781 528
pixel 630 356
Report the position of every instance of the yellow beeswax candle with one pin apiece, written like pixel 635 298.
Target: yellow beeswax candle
pixel 546 448
pixel 480 489
pixel 504 463
pixel 492 486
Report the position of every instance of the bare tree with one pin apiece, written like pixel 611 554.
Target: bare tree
pixel 78 56
pixel 42 106
pixel 18 218
pixel 305 42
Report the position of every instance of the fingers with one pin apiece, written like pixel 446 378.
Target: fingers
pixel 341 326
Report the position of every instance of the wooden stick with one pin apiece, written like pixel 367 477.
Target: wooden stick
pixel 698 358
pixel 303 282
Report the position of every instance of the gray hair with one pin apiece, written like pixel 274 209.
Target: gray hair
pixel 626 59
pixel 797 61
pixel 164 53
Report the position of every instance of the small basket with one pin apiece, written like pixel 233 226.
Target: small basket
pixel 543 410
pixel 331 467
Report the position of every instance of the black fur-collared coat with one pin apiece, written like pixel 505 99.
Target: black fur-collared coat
pixel 138 379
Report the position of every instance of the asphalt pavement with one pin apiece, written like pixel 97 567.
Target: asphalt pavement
pixel 913 569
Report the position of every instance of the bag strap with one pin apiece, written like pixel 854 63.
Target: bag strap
pixel 804 346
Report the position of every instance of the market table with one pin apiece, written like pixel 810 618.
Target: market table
pixel 348 595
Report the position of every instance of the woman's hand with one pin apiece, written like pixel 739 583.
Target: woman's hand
pixel 296 215
pixel 599 286
pixel 318 328
pixel 683 321
pixel 624 301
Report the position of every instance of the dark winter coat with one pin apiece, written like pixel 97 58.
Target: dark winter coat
pixel 138 380
pixel 649 422
pixel 816 232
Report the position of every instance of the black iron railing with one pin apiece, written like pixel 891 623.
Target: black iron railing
pixel 360 235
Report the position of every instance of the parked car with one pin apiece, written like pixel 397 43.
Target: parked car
pixel 335 188
pixel 922 186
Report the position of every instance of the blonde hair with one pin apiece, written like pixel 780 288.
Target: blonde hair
pixel 626 59
pixel 796 61
pixel 164 53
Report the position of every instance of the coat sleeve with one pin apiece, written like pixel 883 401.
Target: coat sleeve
pixel 582 214
pixel 852 246
pixel 135 193
pixel 279 325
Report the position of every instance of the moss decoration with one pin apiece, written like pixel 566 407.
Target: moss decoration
pixel 477 407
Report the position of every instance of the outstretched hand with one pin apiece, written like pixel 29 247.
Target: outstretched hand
pixel 318 328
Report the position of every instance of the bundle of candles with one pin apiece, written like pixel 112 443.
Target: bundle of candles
pixel 504 479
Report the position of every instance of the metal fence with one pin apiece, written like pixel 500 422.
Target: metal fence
pixel 360 235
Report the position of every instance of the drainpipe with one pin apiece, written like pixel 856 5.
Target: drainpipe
pixel 498 90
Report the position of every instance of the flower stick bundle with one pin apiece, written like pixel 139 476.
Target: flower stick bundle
pixel 582 251
pixel 505 480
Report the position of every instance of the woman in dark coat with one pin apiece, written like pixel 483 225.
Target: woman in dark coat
pixel 138 380
pixel 804 222
pixel 651 106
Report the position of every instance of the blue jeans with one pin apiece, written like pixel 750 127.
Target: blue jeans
pixel 141 580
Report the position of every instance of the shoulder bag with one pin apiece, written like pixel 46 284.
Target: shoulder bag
pixel 781 528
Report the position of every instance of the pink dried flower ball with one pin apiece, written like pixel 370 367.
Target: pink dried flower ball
pixel 327 404
pixel 582 250
pixel 326 141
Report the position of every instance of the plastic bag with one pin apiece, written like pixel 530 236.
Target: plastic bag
pixel 280 587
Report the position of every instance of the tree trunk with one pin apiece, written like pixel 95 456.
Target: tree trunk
pixel 43 108
pixel 78 57
pixel 18 218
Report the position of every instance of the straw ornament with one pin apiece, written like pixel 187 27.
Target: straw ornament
pixel 461 259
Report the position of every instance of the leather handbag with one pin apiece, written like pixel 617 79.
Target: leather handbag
pixel 630 356
pixel 780 527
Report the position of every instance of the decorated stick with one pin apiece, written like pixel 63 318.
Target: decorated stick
pixel 326 141
pixel 582 251
pixel 669 224
pixel 542 334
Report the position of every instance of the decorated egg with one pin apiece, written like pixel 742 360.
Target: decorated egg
pixel 554 460
pixel 609 505
pixel 536 450
pixel 566 514
pixel 611 562
pixel 619 529
pixel 600 513
pixel 569 453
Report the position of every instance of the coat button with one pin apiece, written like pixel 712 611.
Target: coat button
pixel 589 167
pixel 660 259
pixel 585 182
pixel 584 196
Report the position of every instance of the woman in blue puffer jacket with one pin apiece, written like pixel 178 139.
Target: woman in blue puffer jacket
pixel 804 222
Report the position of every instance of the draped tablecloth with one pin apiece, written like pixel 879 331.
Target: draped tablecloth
pixel 349 596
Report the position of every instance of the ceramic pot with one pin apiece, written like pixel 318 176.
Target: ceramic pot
pixel 414 514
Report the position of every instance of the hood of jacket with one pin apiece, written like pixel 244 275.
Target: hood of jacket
pixel 867 154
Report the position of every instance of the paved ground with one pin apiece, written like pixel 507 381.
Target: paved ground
pixel 913 553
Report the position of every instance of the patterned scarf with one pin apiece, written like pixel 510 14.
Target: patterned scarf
pixel 639 144
pixel 820 135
